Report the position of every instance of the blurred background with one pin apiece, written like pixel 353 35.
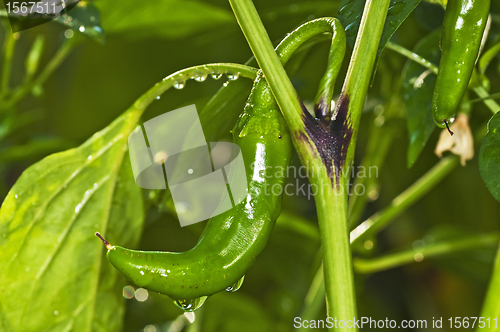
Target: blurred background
pixel 146 41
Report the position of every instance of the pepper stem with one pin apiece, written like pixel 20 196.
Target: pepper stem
pixel 106 243
pixel 446 124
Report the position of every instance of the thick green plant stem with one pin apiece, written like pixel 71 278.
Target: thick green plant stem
pixel 361 66
pixel 373 265
pixel 268 61
pixel 479 90
pixel 331 206
pixel 491 305
pixel 331 200
pixel 381 219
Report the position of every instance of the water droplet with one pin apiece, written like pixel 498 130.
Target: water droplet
pixel 15 196
pixel 216 76
pixel 351 29
pixel 150 328
pixel 128 292
pixel 27 269
pixel 396 9
pixel 190 171
pixel 200 77
pixel 92 18
pixel 69 34
pixel 89 157
pixel 179 85
pixel 158 97
pixel 418 257
pixel 56 312
pixel 233 77
pixel 81 28
pixel 236 285
pixel 141 294
pixel 189 316
pixel 393 23
pixel 191 304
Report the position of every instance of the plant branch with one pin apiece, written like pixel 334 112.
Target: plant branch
pixel 381 219
pixel 373 265
pixel 21 91
pixel 9 47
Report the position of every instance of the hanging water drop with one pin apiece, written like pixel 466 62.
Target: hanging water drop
pixel 81 28
pixel 179 85
pixel 200 78
pixel 233 77
pixel 190 304
pixel 236 285
pixel 216 76
pixel 158 97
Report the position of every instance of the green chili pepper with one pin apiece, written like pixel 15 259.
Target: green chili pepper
pixel 232 240
pixel 463 28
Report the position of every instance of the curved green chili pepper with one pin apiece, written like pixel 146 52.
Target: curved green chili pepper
pixel 463 28
pixel 232 240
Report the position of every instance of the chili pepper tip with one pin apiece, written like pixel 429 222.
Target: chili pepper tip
pixel 106 243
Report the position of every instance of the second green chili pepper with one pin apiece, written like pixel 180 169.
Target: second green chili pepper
pixel 463 28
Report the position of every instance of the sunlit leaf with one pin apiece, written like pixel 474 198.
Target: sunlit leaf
pixel 53 272
pixel 418 88
pixel 489 157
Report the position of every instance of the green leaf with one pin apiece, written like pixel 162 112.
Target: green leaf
pixel 84 18
pixel 418 88
pixel 179 18
pixel 489 157
pixel 53 272
pixel 351 11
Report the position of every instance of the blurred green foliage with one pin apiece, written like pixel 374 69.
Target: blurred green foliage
pixel 147 41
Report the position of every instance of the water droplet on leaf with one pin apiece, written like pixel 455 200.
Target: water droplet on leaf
pixel 200 78
pixel 236 285
pixel 233 77
pixel 216 76
pixel 179 85
pixel 191 304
